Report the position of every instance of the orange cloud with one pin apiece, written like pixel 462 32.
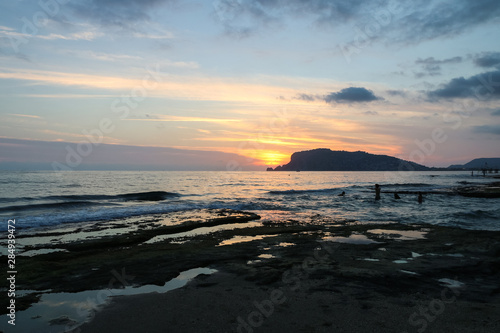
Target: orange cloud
pixel 158 84
pixel 183 119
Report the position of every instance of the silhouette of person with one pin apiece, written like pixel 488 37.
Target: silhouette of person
pixel 341 194
pixel 420 197
pixel 396 196
pixel 377 192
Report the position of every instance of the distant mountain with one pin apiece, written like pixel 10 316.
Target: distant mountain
pixel 479 163
pixel 329 160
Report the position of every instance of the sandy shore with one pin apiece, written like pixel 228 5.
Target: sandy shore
pixel 321 275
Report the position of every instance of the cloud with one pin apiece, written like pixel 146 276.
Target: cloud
pixel 351 95
pixel 85 35
pixel 434 19
pixel 371 113
pixel 6 32
pixel 496 113
pixel 167 118
pixel 24 115
pixel 241 18
pixel 163 35
pixel 125 14
pixel 487 59
pixel 482 85
pixel 104 56
pixel 257 12
pixel 159 85
pixel 432 66
pixel 403 21
pixel 347 95
pixel 488 129
pixel 401 93
pixel 306 97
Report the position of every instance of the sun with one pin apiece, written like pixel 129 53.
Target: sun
pixel 272 158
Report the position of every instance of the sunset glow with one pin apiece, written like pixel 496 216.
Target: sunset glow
pixel 221 77
pixel 271 158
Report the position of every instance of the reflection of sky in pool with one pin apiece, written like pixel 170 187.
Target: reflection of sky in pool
pixel 352 239
pixel 79 306
pixel 399 234
pixel 243 239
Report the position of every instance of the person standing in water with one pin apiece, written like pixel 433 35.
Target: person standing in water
pixel 420 197
pixel 377 192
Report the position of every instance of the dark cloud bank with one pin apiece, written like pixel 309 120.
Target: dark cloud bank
pixel 352 95
pixel 481 86
pixel 432 67
pixel 347 95
pixel 408 21
pixel 488 129
pixel 488 59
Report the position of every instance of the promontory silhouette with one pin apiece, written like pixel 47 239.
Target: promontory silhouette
pixel 479 163
pixel 324 159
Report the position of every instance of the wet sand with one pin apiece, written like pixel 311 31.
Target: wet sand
pixel 320 276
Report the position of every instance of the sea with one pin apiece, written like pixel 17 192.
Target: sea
pixel 45 199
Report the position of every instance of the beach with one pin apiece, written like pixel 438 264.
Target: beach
pixel 322 276
pixel 338 264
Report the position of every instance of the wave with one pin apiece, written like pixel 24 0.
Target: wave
pixel 475 215
pixel 108 213
pixel 141 196
pixel 71 186
pixel 70 204
pixel 363 187
pixel 7 200
pixel 148 196
pixel 409 185
pixel 326 190
pixel 94 214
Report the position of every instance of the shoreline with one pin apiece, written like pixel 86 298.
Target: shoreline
pixel 367 267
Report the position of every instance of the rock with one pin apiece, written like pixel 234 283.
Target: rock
pixel 328 160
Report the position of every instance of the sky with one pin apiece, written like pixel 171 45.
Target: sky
pixel 242 84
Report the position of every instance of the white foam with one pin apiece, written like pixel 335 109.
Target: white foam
pixel 452 283
pixel 400 261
